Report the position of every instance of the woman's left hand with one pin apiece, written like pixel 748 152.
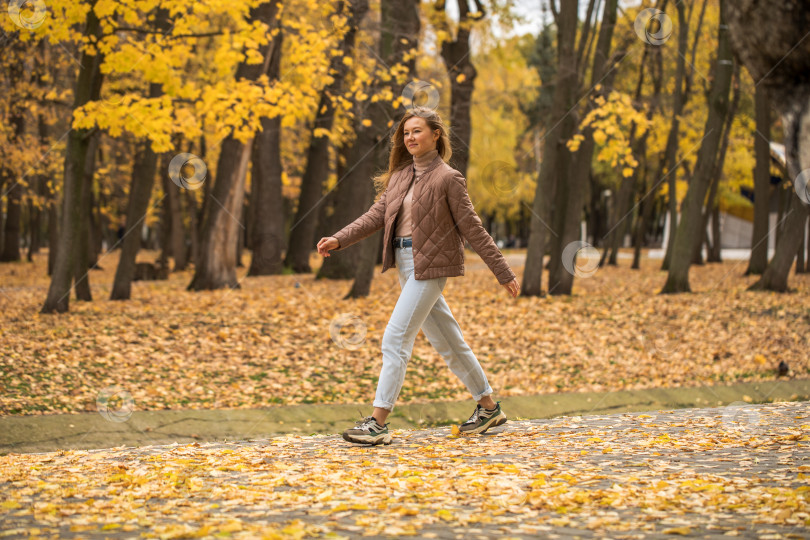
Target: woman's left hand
pixel 513 287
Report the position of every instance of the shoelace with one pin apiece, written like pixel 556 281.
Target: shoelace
pixel 481 412
pixel 369 420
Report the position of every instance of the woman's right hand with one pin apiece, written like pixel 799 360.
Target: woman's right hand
pixel 326 243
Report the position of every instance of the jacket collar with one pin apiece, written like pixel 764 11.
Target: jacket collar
pixel 432 165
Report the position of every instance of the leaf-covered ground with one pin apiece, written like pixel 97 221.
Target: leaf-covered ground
pixel 730 471
pixel 291 339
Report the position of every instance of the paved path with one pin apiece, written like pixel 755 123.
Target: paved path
pixel 123 427
pixel 708 473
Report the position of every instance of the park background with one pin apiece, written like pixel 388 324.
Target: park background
pixel 168 167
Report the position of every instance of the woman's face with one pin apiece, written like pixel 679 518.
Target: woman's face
pixel 418 137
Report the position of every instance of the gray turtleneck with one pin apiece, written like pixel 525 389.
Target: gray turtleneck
pixel 404 222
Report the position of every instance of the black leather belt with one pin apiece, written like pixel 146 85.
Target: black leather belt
pixel 403 242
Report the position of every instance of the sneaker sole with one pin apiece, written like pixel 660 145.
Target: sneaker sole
pixel 493 422
pixel 368 439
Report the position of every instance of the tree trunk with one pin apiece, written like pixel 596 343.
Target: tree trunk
pixel 82 266
pixel 646 196
pixel 140 191
pixel 775 277
pixel 400 31
pixel 75 158
pixel 217 265
pixel 801 261
pixel 302 232
pixel 570 193
pixel 11 243
pixel 671 156
pixel 222 222
pixel 462 73
pixel 191 204
pixel 164 231
pixel 690 229
pixel 556 156
pixel 178 230
pixel 713 251
pixel 352 197
pixel 34 223
pixel 53 232
pixel 762 182
pixel 267 238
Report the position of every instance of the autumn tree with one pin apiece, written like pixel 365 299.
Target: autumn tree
pixel 374 121
pixel 769 39
pixel 691 226
pixel 556 157
pixel 74 212
pixel 317 160
pixel 216 267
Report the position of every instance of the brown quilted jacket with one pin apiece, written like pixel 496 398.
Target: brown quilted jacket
pixel 443 217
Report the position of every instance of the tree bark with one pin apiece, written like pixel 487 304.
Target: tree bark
pixel 801 260
pixel 690 229
pixel 400 31
pixel 646 202
pixel 75 157
pixel 302 232
pixel 775 277
pixel 671 156
pixel 222 222
pixel 267 239
pixel 81 272
pixel 178 230
pixel 352 196
pixel 11 244
pixel 781 62
pixel 571 188
pixel 713 251
pixel 140 191
pixel 556 156
pixel 462 74
pixel 762 181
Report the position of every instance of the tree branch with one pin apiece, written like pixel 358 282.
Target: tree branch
pixel 180 36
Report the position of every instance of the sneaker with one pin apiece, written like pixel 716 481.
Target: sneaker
pixel 368 431
pixel 482 419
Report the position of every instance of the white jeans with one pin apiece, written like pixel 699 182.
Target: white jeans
pixel 421 305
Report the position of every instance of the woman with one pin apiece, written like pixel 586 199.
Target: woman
pixel 427 215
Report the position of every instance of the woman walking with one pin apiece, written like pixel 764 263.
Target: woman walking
pixel 427 215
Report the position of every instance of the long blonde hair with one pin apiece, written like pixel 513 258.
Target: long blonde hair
pixel 399 158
